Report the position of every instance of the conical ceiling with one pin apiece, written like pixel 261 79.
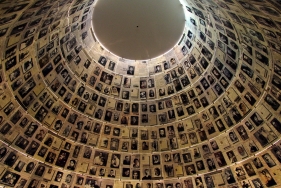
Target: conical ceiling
pixel 204 114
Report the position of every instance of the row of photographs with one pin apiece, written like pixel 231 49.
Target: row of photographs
pixel 143 140
pixel 15 165
pixel 73 126
pixel 208 125
pixel 255 118
pixel 111 110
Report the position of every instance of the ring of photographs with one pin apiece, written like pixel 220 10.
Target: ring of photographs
pixel 207 113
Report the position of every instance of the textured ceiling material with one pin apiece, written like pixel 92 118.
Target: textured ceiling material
pixel 136 29
pixel 206 114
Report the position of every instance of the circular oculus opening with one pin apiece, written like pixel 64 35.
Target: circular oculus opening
pixel 138 29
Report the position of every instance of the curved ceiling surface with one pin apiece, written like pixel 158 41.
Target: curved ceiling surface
pixel 204 114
